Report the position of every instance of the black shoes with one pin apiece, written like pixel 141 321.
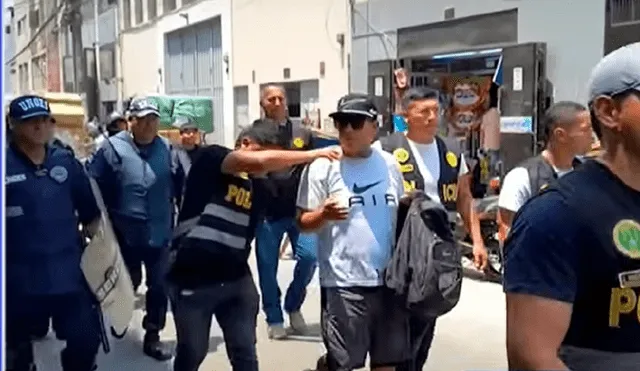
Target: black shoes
pixel 154 348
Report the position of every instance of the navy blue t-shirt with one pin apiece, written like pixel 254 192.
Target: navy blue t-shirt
pixel 564 246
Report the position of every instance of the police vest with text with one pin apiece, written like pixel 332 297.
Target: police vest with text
pixel 541 173
pixel 606 308
pixel 398 145
pixel 222 227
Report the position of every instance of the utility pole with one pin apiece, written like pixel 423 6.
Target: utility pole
pixel 96 47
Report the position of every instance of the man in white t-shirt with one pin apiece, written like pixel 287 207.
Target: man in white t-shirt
pixel 433 165
pixel 352 204
pixel 567 128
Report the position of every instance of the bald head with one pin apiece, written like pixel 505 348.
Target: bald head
pixel 273 101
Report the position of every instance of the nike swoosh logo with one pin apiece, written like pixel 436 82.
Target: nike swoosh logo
pixel 359 190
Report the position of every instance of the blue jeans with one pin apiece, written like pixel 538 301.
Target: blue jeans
pixel 268 237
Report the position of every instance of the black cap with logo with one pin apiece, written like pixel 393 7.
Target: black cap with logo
pixel 356 104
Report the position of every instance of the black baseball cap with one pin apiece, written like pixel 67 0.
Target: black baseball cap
pixel 356 104
pixel 29 106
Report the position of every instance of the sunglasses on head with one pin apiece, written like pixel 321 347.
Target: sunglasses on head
pixel 356 122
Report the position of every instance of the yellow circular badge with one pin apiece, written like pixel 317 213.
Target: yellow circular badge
pixel 626 237
pixel 452 159
pixel 298 143
pixel 401 155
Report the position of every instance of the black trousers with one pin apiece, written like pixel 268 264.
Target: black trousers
pixel 235 306
pixel 421 336
pixel 77 317
pixel 156 262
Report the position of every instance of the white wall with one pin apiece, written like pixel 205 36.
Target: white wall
pixel 270 35
pixel 143 50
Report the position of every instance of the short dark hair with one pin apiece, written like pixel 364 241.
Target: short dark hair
pixel 560 114
pixel 264 132
pixel 419 93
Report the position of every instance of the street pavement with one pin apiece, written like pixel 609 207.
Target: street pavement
pixel 470 337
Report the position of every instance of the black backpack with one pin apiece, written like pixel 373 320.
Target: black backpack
pixel 425 270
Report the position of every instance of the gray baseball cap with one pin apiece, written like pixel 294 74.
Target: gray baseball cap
pixel 141 107
pixel 617 72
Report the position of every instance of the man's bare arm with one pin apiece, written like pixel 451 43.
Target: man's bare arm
pixel 506 217
pixel 536 327
pixel 467 210
pixel 271 160
pixel 310 220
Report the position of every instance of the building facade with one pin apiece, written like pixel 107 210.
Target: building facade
pixel 35 63
pixel 302 45
pixel 230 49
pixel 180 47
pixel 101 94
pixel 396 29
pixel 9 43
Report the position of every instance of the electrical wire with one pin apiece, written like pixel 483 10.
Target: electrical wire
pixel 44 25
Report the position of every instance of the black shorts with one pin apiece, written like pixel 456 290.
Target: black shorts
pixel 361 320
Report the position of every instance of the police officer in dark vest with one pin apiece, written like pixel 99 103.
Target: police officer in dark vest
pixel 210 275
pixel 430 164
pixel 568 133
pixel 281 188
pixel 572 260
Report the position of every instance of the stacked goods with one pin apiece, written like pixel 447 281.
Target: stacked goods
pixel 199 109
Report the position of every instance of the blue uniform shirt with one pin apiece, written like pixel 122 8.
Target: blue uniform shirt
pixel 43 207
pixel 579 243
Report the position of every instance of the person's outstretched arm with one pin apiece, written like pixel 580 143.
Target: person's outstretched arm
pixel 241 161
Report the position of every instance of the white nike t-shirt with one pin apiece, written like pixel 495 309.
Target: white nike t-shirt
pixel 355 251
pixel 427 157
pixel 516 188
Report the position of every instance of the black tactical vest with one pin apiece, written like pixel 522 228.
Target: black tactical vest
pixel 398 145
pixel 281 187
pixel 541 173
pixel 606 309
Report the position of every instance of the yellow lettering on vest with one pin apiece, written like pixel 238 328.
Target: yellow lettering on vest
pixel 409 186
pixel 450 192
pixel 623 301
pixel 239 196
pixel 484 169
pixel 406 168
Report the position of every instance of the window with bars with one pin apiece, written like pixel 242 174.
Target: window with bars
pixel 624 12
pixel 138 12
pixel 126 13
pixel 152 9
pixel 168 5
pixel 39 73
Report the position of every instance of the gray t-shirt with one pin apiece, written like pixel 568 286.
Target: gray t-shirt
pixel 355 251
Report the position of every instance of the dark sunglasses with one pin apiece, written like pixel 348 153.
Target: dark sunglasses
pixel 356 122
